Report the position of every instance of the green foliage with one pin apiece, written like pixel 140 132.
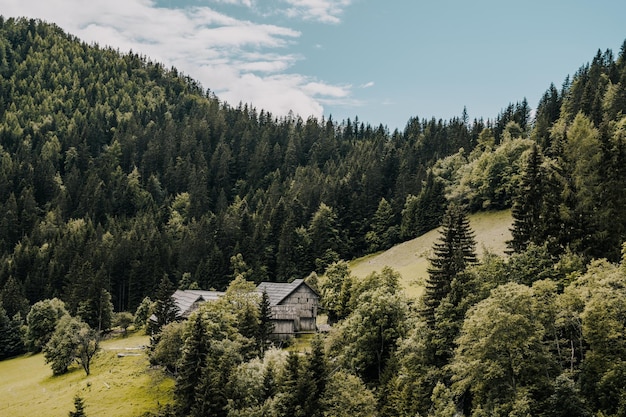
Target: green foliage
pixel 192 363
pixel 527 204
pixel 144 310
pixel 489 180
pixel 123 320
pixel 364 342
pixel 72 340
pixel 167 352
pixel 112 179
pixel 443 402
pixel 424 212
pixel 12 298
pixel 97 310
pixel 11 343
pixel 115 172
pixel 134 388
pixel 500 350
pixel 336 291
pixel 384 230
pixel 324 236
pixel 212 350
pixel 42 320
pixel 346 396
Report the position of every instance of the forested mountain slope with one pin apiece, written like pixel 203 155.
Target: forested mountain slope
pixel 118 171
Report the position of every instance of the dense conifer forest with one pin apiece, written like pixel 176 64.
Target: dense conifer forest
pixel 121 179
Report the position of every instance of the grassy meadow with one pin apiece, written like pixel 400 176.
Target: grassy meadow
pixel 410 258
pixel 118 385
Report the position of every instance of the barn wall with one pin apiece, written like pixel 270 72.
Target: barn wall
pixel 296 313
pixel 304 300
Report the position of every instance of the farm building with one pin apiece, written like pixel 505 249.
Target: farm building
pixel 188 301
pixel 294 307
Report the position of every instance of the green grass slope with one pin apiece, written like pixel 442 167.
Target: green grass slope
pixel 410 258
pixel 118 385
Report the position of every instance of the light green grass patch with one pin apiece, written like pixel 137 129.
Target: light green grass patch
pixel 301 343
pixel 410 258
pixel 118 385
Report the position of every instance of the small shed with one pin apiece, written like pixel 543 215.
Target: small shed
pixel 188 301
pixel 294 307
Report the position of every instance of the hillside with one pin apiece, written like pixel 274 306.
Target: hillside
pixel 115 166
pixel 121 386
pixel 410 258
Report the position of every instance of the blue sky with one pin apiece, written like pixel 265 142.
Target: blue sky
pixel 383 61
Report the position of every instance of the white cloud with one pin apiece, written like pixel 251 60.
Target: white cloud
pixel 367 85
pixel 239 60
pixel 326 11
pixel 321 89
pixel 247 3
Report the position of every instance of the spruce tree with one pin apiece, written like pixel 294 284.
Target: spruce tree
pixel 193 362
pixel 291 392
pixel 11 343
pixel 454 251
pixel 314 379
pixel 79 405
pixel 527 205
pixel 165 309
pixel 266 327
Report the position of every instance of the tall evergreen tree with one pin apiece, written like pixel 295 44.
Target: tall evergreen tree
pixel 13 299
pixel 314 378
pixel 266 326
pixel 454 251
pixel 11 343
pixel 424 212
pixel 384 231
pixel 527 205
pixel 192 364
pixel 165 309
pixel 291 394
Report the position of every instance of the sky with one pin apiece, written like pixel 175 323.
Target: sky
pixel 381 61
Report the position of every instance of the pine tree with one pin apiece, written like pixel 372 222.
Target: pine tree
pixel 527 205
pixel 314 379
pixel 165 309
pixel 13 299
pixel 79 405
pixel 383 233
pixel 11 343
pixel 454 251
pixel 292 396
pixel 193 362
pixel 266 327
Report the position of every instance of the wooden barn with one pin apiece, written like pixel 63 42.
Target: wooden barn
pixel 188 301
pixel 294 307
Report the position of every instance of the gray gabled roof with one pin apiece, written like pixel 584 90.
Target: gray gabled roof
pixel 186 299
pixel 278 291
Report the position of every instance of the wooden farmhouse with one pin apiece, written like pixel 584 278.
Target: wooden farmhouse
pixel 294 307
